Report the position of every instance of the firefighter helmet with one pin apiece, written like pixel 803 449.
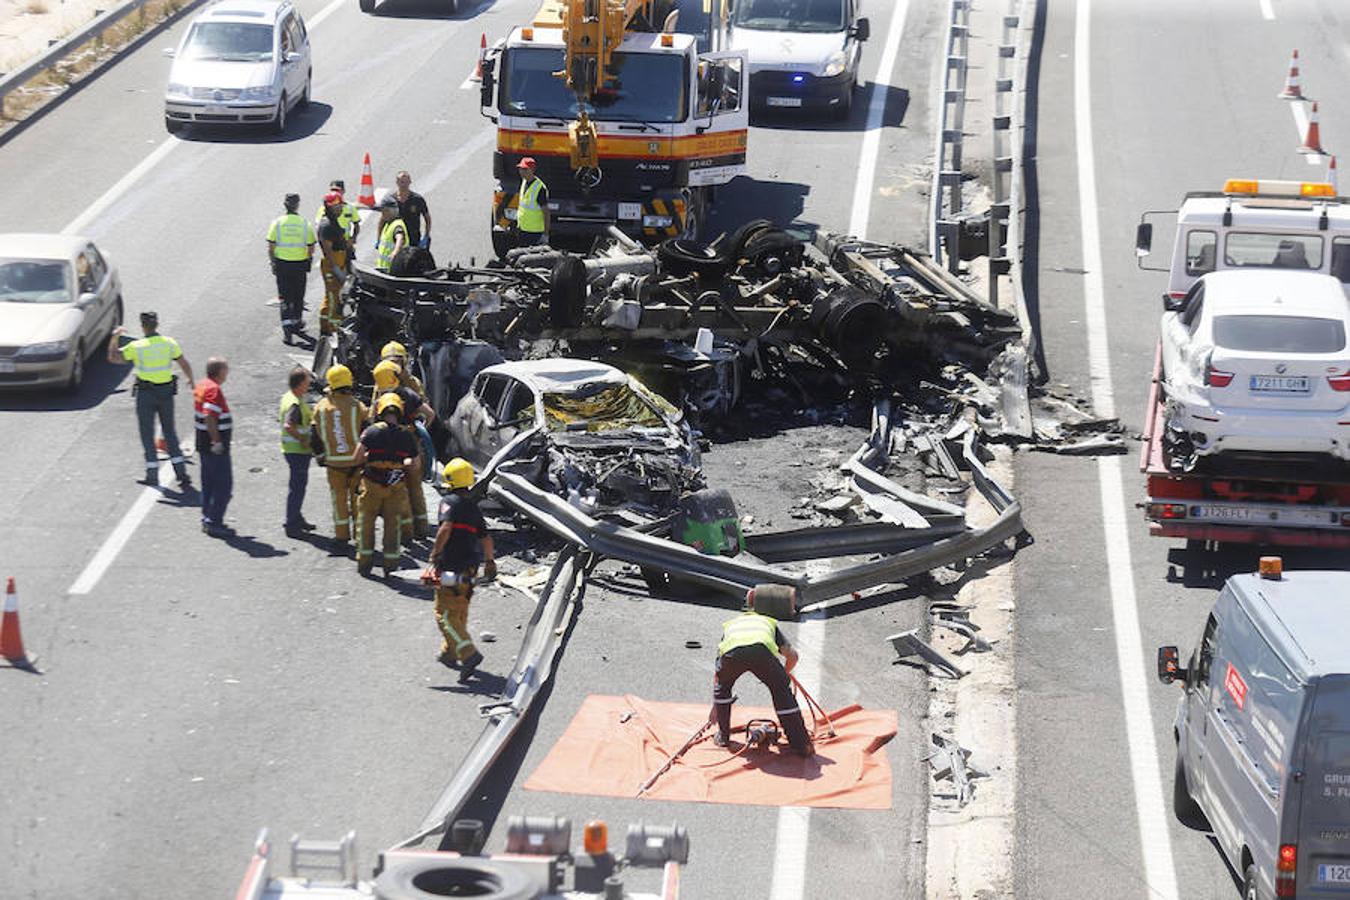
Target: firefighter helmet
pixel 458 473
pixel 388 402
pixel 387 375
pixel 394 349
pixel 338 376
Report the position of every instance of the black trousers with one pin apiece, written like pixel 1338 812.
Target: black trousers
pixel 763 663
pixel 292 274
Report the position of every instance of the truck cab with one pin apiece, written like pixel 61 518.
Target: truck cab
pixel 1263 731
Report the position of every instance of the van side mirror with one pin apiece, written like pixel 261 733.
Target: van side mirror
pixel 1169 665
pixel 862 29
pixel 488 87
pixel 1143 239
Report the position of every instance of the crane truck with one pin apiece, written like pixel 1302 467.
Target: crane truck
pixel 630 125
pixel 1273 499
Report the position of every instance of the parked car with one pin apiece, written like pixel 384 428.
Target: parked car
pixel 804 54
pixel 1263 731
pixel 605 441
pixel 60 299
pixel 1257 361
pixel 241 62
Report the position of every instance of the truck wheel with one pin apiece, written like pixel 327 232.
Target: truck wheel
pixel 678 257
pixel 567 293
pixel 734 248
pixel 1188 812
pixel 1249 889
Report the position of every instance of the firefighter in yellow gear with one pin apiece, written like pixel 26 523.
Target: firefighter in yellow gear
pixel 385 453
pixel 398 353
pixel 335 251
pixel 339 419
pixel 462 542
pixel 387 381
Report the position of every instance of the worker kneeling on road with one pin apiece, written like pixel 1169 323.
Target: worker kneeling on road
pixel 751 643
pixel 386 453
pixel 462 540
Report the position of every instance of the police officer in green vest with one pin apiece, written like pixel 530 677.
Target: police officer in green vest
pixel 751 643
pixel 393 235
pixel 295 417
pixel 290 249
pixel 532 218
pixel 153 357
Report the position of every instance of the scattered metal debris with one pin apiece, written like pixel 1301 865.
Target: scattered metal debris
pixel 949 761
pixel 908 643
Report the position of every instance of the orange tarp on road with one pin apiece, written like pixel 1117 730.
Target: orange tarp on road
pixel 614 744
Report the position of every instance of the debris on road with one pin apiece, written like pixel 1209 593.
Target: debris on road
pixel 949 761
pixel 908 643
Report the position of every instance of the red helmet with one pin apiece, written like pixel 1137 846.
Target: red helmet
pixel 526 163
pixel 332 198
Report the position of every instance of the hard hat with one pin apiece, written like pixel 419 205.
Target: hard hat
pixel 338 376
pixel 458 473
pixel 332 198
pixel 388 402
pixel 526 163
pixel 392 349
pixel 386 374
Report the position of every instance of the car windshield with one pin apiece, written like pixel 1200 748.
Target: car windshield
pixel 229 41
pixel 599 407
pixel 790 15
pixel 649 87
pixel 1273 251
pixel 35 281
pixel 1279 334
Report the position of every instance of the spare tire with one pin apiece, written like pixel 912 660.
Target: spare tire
pixel 853 322
pixel 681 256
pixel 567 293
pixel 430 877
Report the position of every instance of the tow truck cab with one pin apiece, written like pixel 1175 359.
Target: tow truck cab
pixel 1302 226
pixel 672 126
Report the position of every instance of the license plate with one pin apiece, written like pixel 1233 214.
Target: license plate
pixel 1280 384
pixel 1228 513
pixel 1333 873
pixel 1281 517
pixel 785 101
pixel 630 211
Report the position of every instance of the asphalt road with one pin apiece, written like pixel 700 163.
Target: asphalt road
pixel 1182 97
pixel 203 689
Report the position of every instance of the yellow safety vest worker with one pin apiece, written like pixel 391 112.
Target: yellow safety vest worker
pixel 288 443
pixel 347 217
pixel 529 214
pixel 746 630
pixel 339 417
pixel 153 357
pixel 385 255
pixel 293 236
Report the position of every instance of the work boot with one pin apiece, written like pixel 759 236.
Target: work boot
pixel 286 336
pixel 306 525
pixel 149 479
pixel 721 739
pixel 364 569
pixel 469 666
pixel 447 659
pixel 807 751
pixel 294 531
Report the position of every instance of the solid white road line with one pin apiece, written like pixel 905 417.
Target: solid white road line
pixel 124 184
pixel 794 822
pixel 880 89
pixel 1300 112
pixel 1154 833
pixel 1267 12
pixel 325 13
pixel 122 533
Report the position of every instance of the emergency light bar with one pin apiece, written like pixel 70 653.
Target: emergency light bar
pixel 1270 188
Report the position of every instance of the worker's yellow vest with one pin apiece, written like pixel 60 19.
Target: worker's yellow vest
pixel 153 358
pixel 529 214
pixel 385 256
pixel 347 217
pixel 293 237
pixel 288 443
pixel 339 416
pixel 746 630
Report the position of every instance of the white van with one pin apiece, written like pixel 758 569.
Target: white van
pixel 1263 731
pixel 804 54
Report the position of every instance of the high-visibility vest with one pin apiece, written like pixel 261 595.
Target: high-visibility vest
pixel 347 217
pixel 293 236
pixel 529 214
pixel 385 255
pixel 746 630
pixel 288 443
pixel 339 417
pixel 153 357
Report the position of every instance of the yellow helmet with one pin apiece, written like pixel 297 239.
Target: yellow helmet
pixel 392 349
pixel 386 375
pixel 387 402
pixel 458 473
pixel 338 376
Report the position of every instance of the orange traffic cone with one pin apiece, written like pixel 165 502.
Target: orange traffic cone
pixel 1312 141
pixel 11 639
pixel 367 195
pixel 1331 177
pixel 1292 91
pixel 482 55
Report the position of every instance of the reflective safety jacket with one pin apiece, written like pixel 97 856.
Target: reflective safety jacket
pixel 384 257
pixel 748 629
pixel 529 212
pixel 293 237
pixel 153 357
pixel 338 418
pixel 289 444
pixel 347 217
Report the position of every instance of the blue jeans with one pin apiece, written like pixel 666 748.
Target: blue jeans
pixel 217 485
pixel 295 490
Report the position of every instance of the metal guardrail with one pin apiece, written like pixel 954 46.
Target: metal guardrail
pixel 951 120
pixel 1014 235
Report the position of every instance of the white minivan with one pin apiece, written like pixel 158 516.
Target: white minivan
pixel 241 62
pixel 804 54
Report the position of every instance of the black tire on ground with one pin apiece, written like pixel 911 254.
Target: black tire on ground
pixel 567 293
pixel 845 107
pixel 279 123
pixel 1250 891
pixel 76 369
pixel 1188 812
pixel 679 257
pixel 366 6
pixel 172 126
pixel 734 247
pixel 304 98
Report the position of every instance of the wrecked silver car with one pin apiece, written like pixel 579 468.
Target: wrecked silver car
pixel 601 439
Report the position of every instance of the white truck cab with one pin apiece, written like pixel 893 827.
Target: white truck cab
pixel 1251 224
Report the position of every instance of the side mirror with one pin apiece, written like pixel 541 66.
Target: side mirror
pixel 292 57
pixel 862 29
pixel 1169 665
pixel 1173 304
pixel 488 88
pixel 170 52
pixel 88 298
pixel 1143 239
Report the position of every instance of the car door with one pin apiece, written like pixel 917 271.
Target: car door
pixel 1176 336
pixel 517 412
pixel 477 425
pixel 1197 699
pixel 106 291
pixel 301 38
pixel 722 106
pixel 290 79
pixel 87 299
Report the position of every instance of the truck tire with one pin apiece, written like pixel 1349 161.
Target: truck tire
pixel 735 245
pixel 1188 812
pixel 679 257
pixel 567 293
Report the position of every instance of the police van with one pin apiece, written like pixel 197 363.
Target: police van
pixel 1263 731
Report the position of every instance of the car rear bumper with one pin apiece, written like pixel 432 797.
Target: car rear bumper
pixel 227 113
pixel 1283 431
pixel 778 89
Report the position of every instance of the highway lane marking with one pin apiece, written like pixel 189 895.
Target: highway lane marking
pixel 124 184
pixel 1154 832
pixel 863 188
pixel 325 13
pixel 1300 113
pixel 794 822
pixel 122 533
pixel 1267 12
